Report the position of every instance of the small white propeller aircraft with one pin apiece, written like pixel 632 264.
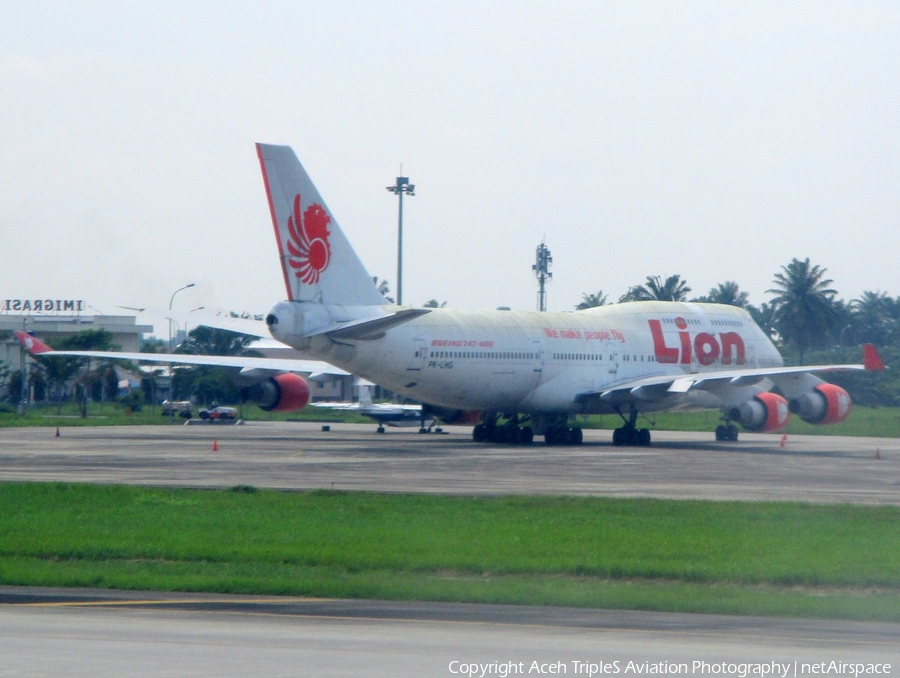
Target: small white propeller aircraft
pixel 386 414
pixel 530 370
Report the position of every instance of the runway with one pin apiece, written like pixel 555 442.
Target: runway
pixel 353 457
pixel 103 633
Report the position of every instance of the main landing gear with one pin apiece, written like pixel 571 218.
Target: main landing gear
pixel 563 435
pixel 557 431
pixel 727 431
pixel 509 432
pixel 630 435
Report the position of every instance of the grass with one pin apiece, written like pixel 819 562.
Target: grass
pixel 114 414
pixel 882 422
pixel 765 558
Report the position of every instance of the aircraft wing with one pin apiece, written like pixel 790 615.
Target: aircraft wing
pixel 255 328
pixel 664 384
pixel 311 367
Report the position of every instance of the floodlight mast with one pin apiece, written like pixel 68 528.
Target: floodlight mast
pixel 402 186
pixel 542 272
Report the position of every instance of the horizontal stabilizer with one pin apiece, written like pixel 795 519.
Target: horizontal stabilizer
pixel 373 329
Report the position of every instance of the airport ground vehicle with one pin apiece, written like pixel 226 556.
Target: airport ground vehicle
pixel 181 408
pixel 218 413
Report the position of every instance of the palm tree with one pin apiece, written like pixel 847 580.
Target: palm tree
pixel 591 300
pixel 383 288
pixel 727 293
pixel 434 303
pixel 204 340
pixel 764 316
pixel 804 305
pixel 673 289
pixel 874 317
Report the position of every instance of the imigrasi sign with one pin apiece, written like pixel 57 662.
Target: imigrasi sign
pixel 43 305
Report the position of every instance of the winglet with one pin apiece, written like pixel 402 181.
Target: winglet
pixel 34 345
pixel 871 359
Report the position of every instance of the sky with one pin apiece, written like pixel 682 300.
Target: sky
pixel 713 140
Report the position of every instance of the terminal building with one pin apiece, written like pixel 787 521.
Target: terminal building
pixel 53 324
pixel 51 319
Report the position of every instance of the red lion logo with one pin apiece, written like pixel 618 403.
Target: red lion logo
pixel 308 241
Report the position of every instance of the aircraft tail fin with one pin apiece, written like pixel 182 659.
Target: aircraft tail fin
pixel 872 359
pixel 34 345
pixel 317 260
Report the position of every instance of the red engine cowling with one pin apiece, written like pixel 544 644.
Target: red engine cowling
pixel 763 412
pixel 825 404
pixel 281 393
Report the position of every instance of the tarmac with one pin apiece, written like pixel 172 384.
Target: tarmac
pixel 79 632
pixel 299 456
pixel 120 633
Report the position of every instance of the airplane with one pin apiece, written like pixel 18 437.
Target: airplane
pixel 390 414
pixel 518 374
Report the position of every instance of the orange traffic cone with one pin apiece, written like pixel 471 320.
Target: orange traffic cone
pixel 783 439
pixel 215 445
pixel 878 453
pixel 57 431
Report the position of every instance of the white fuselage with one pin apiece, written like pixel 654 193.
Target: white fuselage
pixel 533 362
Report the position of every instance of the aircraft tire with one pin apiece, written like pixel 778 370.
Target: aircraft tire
pixel 643 437
pixel 478 433
pixel 380 429
pixel 575 436
pixel 552 437
pixel 527 435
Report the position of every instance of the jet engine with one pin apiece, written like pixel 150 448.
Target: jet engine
pixel 825 404
pixel 281 393
pixel 763 412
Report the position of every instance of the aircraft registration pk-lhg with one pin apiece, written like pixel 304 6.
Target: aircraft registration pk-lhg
pixel 519 373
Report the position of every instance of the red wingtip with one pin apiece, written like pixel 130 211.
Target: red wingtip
pixel 871 359
pixel 34 345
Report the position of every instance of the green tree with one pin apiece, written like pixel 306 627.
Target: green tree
pixel 672 288
pixel 591 300
pixel 728 293
pixel 4 368
pixel 383 288
pixel 804 306
pixel 153 345
pixel 213 341
pixel 874 318
pixel 210 383
pixel 764 316
pixel 59 370
pixel 433 303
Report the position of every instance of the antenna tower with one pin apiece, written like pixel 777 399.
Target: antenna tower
pixel 542 272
